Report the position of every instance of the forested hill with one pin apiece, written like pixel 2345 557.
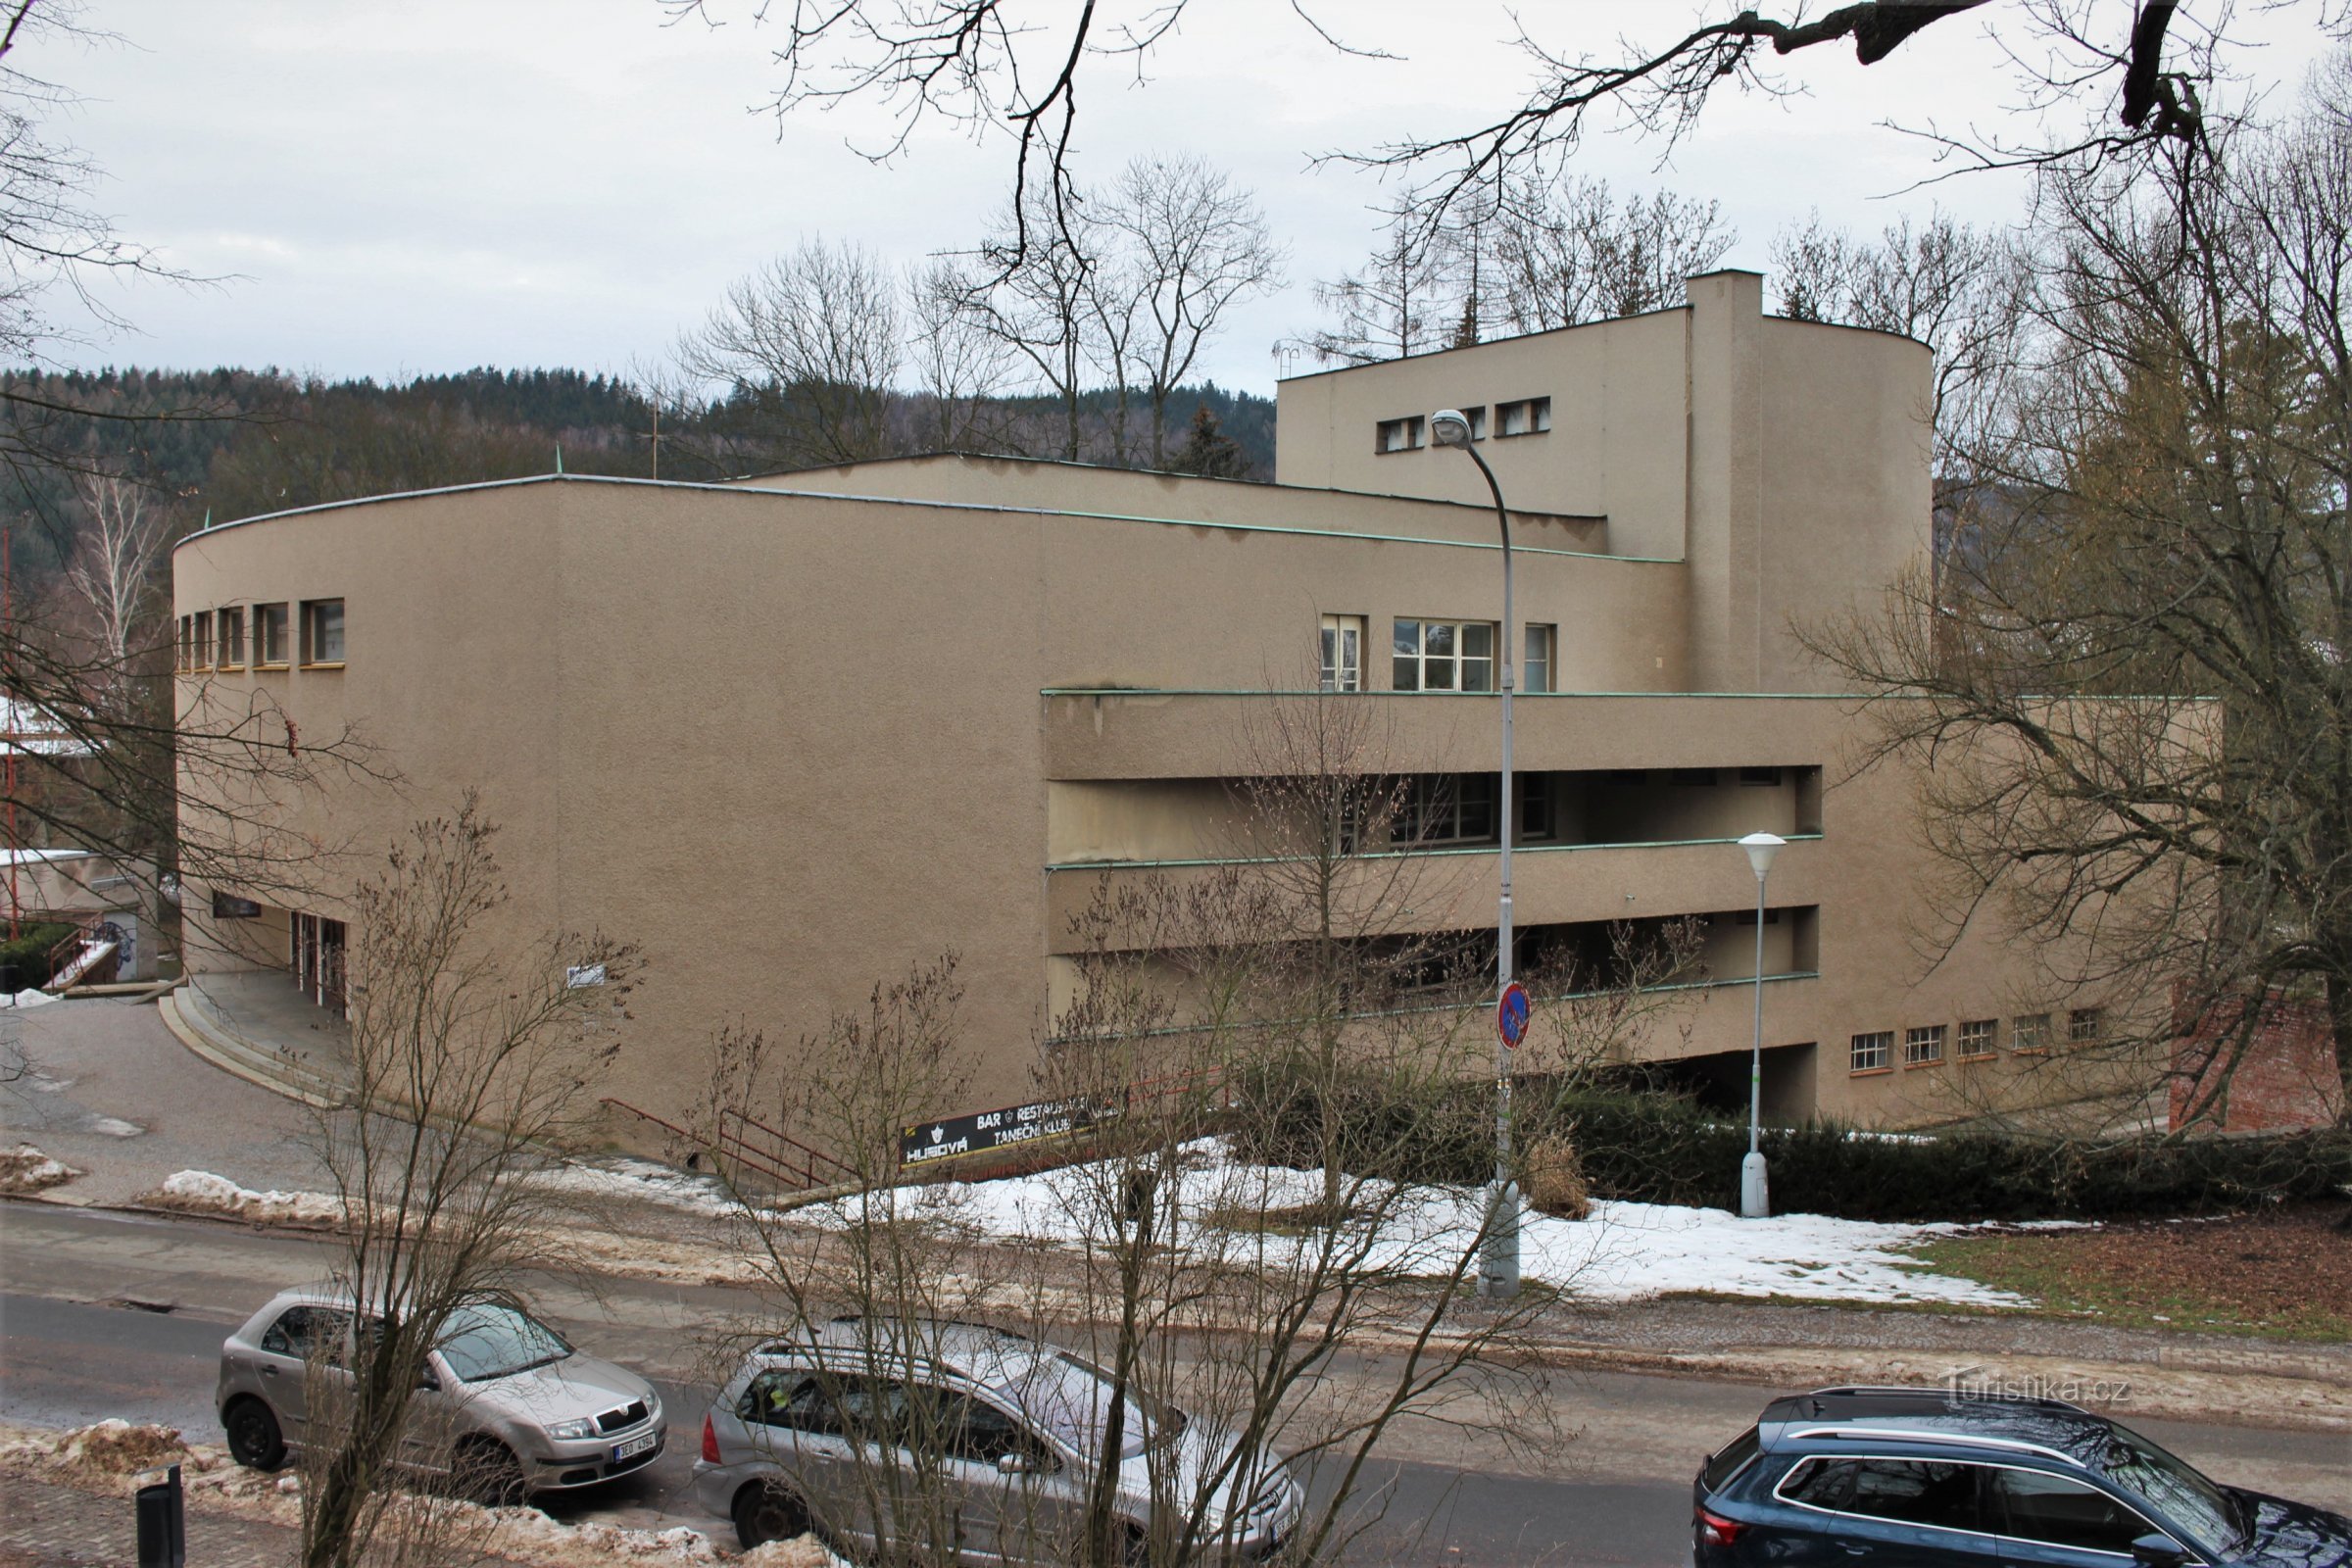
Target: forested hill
pixel 230 443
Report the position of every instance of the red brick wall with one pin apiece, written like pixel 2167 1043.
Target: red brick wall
pixel 2288 1078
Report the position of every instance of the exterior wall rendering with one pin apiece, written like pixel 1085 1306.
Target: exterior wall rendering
pixel 795 734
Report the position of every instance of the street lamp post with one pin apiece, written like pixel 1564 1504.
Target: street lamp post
pixel 1755 1197
pixel 1498 1260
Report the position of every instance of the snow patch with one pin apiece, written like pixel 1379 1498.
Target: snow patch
pixel 26 1169
pixel 26 999
pixel 200 1192
pixel 641 1181
pixel 1623 1251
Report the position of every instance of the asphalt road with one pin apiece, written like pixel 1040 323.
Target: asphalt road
pixel 73 1351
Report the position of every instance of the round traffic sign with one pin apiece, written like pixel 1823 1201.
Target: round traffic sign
pixel 1510 1014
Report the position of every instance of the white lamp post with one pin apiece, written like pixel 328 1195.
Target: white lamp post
pixel 1498 1263
pixel 1755 1197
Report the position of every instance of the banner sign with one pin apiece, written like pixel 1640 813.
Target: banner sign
pixel 952 1136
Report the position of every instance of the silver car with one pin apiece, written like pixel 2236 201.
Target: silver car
pixel 983 1438
pixel 506 1404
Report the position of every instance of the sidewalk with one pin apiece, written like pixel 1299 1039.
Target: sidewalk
pixel 50 1526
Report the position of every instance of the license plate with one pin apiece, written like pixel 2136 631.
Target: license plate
pixel 634 1447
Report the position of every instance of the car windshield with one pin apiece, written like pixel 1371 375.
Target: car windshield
pixel 1071 1398
pixel 2191 1501
pixel 489 1341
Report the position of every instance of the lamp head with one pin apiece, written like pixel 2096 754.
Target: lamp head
pixel 1449 427
pixel 1761 847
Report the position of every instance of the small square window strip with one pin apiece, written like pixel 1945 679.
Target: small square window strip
pixel 1871 1052
pixel 1442 656
pixel 1923 1046
pixel 1978 1036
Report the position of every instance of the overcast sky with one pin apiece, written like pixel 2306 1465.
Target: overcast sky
pixel 421 185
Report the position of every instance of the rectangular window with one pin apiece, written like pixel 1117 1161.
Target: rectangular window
pixel 1759 775
pixel 187 643
pixel 1535 670
pixel 1342 653
pixel 1872 1053
pixel 322 631
pixel 1527 416
pixel 231 628
pixel 1534 820
pixel 1447 809
pixel 204 640
pixel 1923 1046
pixel 1442 656
pixel 1398 435
pixel 2084 1026
pixel 1978 1036
pixel 1692 776
pixel 2030 1033
pixel 269 636
pixel 1478 422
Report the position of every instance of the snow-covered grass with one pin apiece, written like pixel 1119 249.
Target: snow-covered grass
pixel 640 1181
pixel 1622 1252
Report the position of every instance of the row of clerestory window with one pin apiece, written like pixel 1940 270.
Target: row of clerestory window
pixel 264 636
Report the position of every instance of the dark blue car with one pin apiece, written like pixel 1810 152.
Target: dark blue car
pixel 1877 1478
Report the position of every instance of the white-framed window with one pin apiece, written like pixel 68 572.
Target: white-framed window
pixel 2085 1026
pixel 1979 1036
pixel 1871 1052
pixel 1526 416
pixel 1447 809
pixel 1535 669
pixel 1442 656
pixel 1923 1046
pixel 269 646
pixel 1342 653
pixel 322 631
pixel 2029 1032
pixel 1400 436
pixel 230 626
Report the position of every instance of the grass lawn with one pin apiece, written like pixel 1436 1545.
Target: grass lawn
pixel 2276 1275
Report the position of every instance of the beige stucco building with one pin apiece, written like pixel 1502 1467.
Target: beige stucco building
pixel 793 734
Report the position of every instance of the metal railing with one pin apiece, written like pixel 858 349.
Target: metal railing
pixel 754 1146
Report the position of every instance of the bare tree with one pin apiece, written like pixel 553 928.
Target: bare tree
pixel 469 1060
pixel 2109 83
pixel 1961 291
pixel 962 371
pixel 115 569
pixel 1397 305
pixel 1196 245
pixel 2130 678
pixel 1566 254
pixel 1039 298
pixel 805 351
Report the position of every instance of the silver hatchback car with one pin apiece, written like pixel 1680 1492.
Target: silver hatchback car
pixel 506 1405
pixel 978 1436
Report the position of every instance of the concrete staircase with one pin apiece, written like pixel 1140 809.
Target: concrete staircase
pixel 201 1025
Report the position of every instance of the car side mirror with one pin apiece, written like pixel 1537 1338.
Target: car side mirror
pixel 1015 1464
pixel 2158 1551
pixel 429 1380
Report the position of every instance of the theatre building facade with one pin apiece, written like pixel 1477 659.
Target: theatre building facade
pixel 793 734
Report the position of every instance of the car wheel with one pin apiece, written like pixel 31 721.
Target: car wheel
pixel 766 1511
pixel 488 1473
pixel 254 1440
